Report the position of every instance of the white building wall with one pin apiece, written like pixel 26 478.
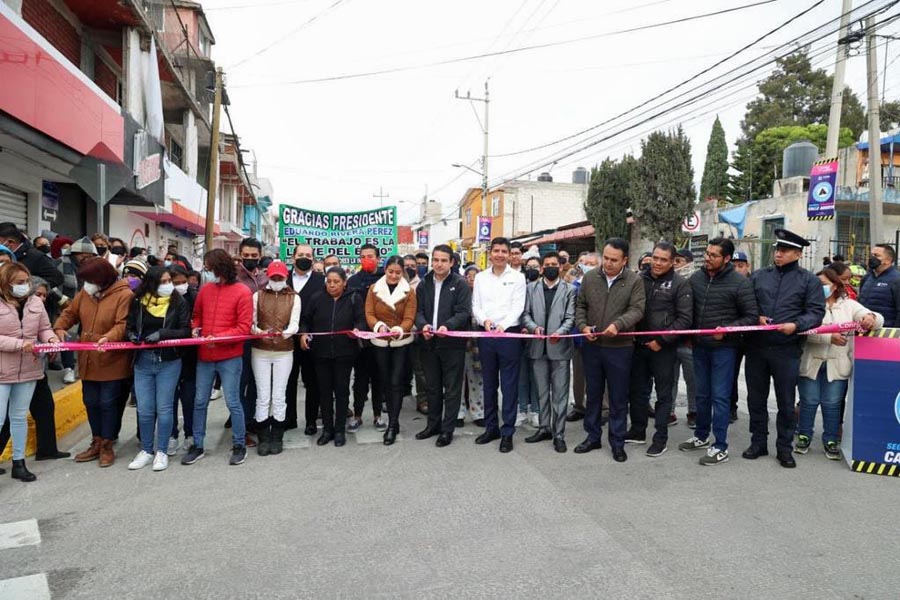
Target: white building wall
pixel 537 205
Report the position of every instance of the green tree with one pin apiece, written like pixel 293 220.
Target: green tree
pixel 609 195
pixel 664 190
pixel 715 172
pixel 889 115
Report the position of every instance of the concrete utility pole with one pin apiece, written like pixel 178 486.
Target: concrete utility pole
pixel 837 88
pixel 876 213
pixel 213 163
pixel 484 127
pixel 381 196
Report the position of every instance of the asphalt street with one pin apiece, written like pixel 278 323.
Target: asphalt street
pixel 416 521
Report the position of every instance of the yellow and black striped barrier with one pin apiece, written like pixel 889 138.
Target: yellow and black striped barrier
pixel 874 468
pixel 886 332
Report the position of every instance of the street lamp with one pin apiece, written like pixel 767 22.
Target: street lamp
pixel 468 168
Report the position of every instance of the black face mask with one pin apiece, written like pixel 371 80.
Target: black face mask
pixel 44 249
pixel 411 273
pixel 563 260
pixel 250 263
pixel 646 267
pixel 532 274
pixel 551 273
pixel 304 264
pixel 101 250
pixel 874 262
pixel 118 251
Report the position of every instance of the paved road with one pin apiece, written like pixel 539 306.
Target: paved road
pixel 415 521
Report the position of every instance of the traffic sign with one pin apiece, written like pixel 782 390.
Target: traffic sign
pixel 691 223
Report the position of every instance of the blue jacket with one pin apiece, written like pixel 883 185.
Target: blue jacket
pixel 788 294
pixel 881 293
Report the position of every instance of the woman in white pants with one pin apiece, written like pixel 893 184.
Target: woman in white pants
pixel 276 310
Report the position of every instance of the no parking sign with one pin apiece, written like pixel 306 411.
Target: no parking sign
pixel 691 223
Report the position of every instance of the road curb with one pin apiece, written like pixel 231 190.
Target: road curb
pixel 70 414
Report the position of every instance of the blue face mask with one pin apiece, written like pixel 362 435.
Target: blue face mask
pixel 207 277
pixel 827 290
pixel 422 270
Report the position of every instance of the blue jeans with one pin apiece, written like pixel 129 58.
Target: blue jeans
pixel 527 386
pixel 828 394
pixel 16 397
pixel 100 401
pixel 230 373
pixel 713 380
pixel 154 386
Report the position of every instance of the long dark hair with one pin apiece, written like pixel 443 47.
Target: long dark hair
pixel 839 290
pixel 150 283
pixel 221 264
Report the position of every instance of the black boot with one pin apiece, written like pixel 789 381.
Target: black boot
pixel 21 472
pixel 277 443
pixel 390 436
pixel 264 435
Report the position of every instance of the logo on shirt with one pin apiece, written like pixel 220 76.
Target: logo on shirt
pixel 667 285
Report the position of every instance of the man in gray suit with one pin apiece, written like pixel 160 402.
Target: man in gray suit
pixel 550 310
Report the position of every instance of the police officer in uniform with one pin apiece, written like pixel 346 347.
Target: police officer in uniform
pixel 790 297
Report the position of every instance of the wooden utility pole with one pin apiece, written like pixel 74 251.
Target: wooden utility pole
pixel 213 163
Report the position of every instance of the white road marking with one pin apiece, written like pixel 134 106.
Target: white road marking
pixel 19 534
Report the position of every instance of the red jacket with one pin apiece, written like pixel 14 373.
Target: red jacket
pixel 222 309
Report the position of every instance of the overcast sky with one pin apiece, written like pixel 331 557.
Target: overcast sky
pixel 333 145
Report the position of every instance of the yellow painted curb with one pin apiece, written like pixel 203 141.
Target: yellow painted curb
pixel 70 414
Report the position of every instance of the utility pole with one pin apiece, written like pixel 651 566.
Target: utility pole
pixel 876 213
pixel 484 128
pixel 381 196
pixel 213 162
pixel 837 87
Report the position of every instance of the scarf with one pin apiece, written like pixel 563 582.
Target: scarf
pixel 155 305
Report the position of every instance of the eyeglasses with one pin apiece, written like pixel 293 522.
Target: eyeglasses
pixel 711 255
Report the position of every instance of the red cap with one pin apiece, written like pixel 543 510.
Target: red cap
pixel 276 267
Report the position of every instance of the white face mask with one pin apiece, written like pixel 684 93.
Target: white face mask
pixel 277 286
pixel 92 289
pixel 181 288
pixel 165 290
pixel 21 290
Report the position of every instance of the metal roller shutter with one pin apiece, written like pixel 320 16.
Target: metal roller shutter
pixel 13 207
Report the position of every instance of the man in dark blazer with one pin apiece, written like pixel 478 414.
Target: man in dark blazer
pixel 307 283
pixel 444 303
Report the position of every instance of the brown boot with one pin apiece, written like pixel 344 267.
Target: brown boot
pixel 107 455
pixel 92 453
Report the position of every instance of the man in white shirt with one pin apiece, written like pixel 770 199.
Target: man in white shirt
pixel 498 302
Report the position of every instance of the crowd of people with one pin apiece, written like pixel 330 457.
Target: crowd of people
pixel 308 321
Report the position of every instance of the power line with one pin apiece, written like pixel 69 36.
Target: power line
pixel 255 5
pixel 532 47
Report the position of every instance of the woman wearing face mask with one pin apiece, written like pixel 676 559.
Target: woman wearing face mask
pixel 23 322
pixel 134 272
pixel 474 382
pixel 101 308
pixel 276 310
pixel 157 314
pixel 187 382
pixel 336 310
pixel 826 364
pixel 391 308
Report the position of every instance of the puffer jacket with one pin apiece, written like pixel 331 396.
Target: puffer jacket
pixel 327 314
pixel 16 366
pixel 175 324
pixel 724 300
pixel 819 349
pixel 396 311
pixel 669 306
pixel 882 293
pixel 222 309
pixel 99 318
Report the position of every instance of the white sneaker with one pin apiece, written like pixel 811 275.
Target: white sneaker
pixel 521 418
pixel 186 445
pixel 68 375
pixel 161 461
pixel 173 446
pixel 535 420
pixel 140 461
pixel 216 394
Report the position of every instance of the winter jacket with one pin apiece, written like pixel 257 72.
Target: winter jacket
pixel 454 310
pixel 559 319
pixel 362 281
pixel 787 294
pixel 327 314
pixel 39 264
pixel 276 311
pixel 99 318
pixel 600 306
pixel 725 299
pixel 669 305
pixel 882 293
pixel 819 349
pixel 174 325
pixel 253 282
pixel 189 353
pixel 396 310
pixel 222 309
pixel 34 326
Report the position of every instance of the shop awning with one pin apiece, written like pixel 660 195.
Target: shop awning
pixel 180 218
pixel 585 231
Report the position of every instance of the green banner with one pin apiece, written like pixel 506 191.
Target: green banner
pixel 338 233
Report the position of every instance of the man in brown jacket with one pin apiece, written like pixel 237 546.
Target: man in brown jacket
pixel 610 301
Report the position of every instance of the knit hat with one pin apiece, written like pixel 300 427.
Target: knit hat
pixel 83 246
pixel 135 266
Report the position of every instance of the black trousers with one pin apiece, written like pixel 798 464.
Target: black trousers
pixel 649 368
pixel 304 368
pixel 444 371
pixel 334 390
pixel 781 365
pixel 43 411
pixel 122 403
pixel 364 376
pixel 737 372
pixel 248 388
pixel 392 363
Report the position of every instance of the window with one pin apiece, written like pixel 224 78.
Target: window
pixel 468 217
pixel 495 206
pixel 176 153
pixel 769 227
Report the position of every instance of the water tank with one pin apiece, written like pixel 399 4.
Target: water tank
pixel 798 159
pixel 580 175
pixel 545 177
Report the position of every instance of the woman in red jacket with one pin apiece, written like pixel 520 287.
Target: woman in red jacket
pixel 222 308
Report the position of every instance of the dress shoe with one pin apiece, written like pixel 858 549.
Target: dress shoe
pixel 310 429
pixel 479 422
pixel 574 416
pixel 249 442
pixel 460 422
pixel 326 437
pixel 390 436
pixel 487 437
pixel 786 459
pixel 754 452
pixel 228 423
pixel 107 454
pixel 290 425
pixel 92 452
pixel 426 433
pixel 506 444
pixel 52 456
pixel 444 440
pixel 541 435
pixel 422 407
pixel 619 454
pixel 559 445
pixel 340 438
pixel 587 445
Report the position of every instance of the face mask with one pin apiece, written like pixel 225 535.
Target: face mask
pixel 44 249
pixel 250 263
pixel 563 260
pixel 874 262
pixel 101 250
pixel 118 251
pixel 586 268
pixel 551 273
pixel 181 288
pixel 532 274
pixel 277 286
pixel 304 264
pixel 827 290
pixel 645 268
pixel 20 290
pixel 92 289
pixel 167 263
pixel 165 290
pixel 422 270
pixel 65 251
pixel 369 265
pixel 134 282
pixel 207 277
pixel 411 273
